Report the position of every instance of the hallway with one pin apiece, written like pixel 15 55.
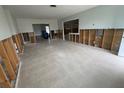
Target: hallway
pixel 67 64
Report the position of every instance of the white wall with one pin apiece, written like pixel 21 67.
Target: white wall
pixel 119 21
pixel 101 17
pixel 37 29
pixel 11 21
pixel 25 24
pixel 4 26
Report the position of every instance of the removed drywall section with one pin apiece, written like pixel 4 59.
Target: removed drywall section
pixel 11 21
pixel 4 26
pixel 25 24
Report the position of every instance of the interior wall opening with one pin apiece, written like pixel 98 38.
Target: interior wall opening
pixel 42 31
pixel 71 26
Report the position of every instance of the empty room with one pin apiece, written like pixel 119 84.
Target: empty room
pixel 61 46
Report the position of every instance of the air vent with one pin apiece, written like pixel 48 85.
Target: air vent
pixel 52 5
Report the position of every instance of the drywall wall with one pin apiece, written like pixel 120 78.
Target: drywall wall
pixel 11 21
pixel 25 24
pixel 119 20
pixel 98 17
pixel 37 29
pixel 4 26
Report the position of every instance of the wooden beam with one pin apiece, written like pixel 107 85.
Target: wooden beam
pixel 21 38
pixel 4 81
pixel 7 62
pixel 107 38
pixel 17 43
pixel 20 43
pixel 11 52
pixel 99 37
pixel 89 37
pixel 81 36
pixel 32 37
pixel 77 38
pixel 118 33
pixel 86 34
pixel 26 37
pixel 92 35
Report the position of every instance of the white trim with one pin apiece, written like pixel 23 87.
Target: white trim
pixel 17 78
pixel 63 30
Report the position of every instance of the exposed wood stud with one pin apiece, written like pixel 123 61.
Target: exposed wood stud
pixel 10 53
pixel 7 62
pixel 99 37
pixel 107 38
pixel 32 37
pixel 104 38
pixel 89 37
pixel 86 38
pixel 17 43
pixel 92 35
pixel 116 40
pixel 4 81
pixel 81 36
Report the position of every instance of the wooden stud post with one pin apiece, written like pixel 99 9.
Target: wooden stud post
pixel 11 52
pixel 81 36
pixel 89 37
pixel 21 38
pixel 20 43
pixel 7 62
pixel 118 33
pixel 107 38
pixel 84 36
pixel 32 37
pixel 4 81
pixel 17 43
pixel 92 35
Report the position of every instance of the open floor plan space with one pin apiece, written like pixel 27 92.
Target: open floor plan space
pixel 64 64
pixel 61 46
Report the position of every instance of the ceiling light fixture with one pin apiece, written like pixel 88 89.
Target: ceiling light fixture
pixel 52 5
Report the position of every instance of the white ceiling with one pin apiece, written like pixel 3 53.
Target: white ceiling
pixel 45 11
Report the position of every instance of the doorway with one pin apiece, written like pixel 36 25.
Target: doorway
pixel 42 31
pixel 71 27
